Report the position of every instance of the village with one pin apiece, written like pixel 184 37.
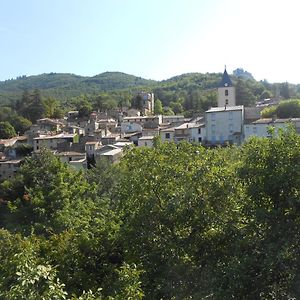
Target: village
pixel 82 142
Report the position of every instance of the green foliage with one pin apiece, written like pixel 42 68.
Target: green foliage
pixel 31 106
pixel 49 195
pixel 65 86
pixel 288 109
pixel 285 109
pixel 269 112
pixel 168 222
pixel 191 93
pixel 167 111
pixel 158 109
pixel 24 276
pixel 129 286
pixel 266 94
pixel 21 124
pixel 51 107
pixel 180 215
pixel 7 131
pixel 104 102
pixel 244 95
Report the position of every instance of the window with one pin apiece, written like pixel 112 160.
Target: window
pixel 226 102
pixel 213 117
pixel 226 92
pixel 199 130
pixel 199 139
pixel 167 135
pixel 231 128
pixel 230 115
pixel 213 129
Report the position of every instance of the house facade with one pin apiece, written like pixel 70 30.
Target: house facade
pixel 224 125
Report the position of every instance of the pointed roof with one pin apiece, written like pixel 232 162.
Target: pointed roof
pixel 226 82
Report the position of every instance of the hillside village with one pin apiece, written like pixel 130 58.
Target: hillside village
pixel 81 142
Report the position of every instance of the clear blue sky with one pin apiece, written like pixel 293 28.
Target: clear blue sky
pixel 154 39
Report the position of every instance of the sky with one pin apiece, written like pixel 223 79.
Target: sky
pixel 153 39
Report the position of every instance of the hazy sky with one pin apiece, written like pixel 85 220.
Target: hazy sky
pixel 154 39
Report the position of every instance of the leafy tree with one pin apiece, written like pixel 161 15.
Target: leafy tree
pixel 158 109
pixel 48 195
pixel 266 94
pixel 284 90
pixel 137 102
pixel 51 106
pixel 168 111
pixel 288 109
pixel 244 95
pixel 181 214
pixel 20 124
pixel 176 107
pixel 84 107
pixel 7 131
pixel 271 228
pixel 31 106
pixel 269 112
pixel 285 109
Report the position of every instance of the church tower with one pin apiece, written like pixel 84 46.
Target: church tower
pixel 226 91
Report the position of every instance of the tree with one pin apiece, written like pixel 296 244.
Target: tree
pixel 244 95
pixel 158 109
pixel 7 131
pixel 289 109
pixel 180 215
pixel 84 107
pixel 51 106
pixel 31 106
pixel 137 102
pixel 168 111
pixel 269 170
pixel 21 124
pixel 46 195
pixel 176 107
pixel 266 94
pixel 284 90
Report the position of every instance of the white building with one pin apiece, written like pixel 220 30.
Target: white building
pixel 224 125
pixel 261 127
pixel 197 133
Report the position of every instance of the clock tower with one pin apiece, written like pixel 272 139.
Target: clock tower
pixel 226 91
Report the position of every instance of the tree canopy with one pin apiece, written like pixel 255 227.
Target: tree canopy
pixel 169 222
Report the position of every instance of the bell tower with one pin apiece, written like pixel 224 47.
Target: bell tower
pixel 226 91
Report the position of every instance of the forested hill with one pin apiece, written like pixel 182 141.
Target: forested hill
pixel 64 85
pixel 188 94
